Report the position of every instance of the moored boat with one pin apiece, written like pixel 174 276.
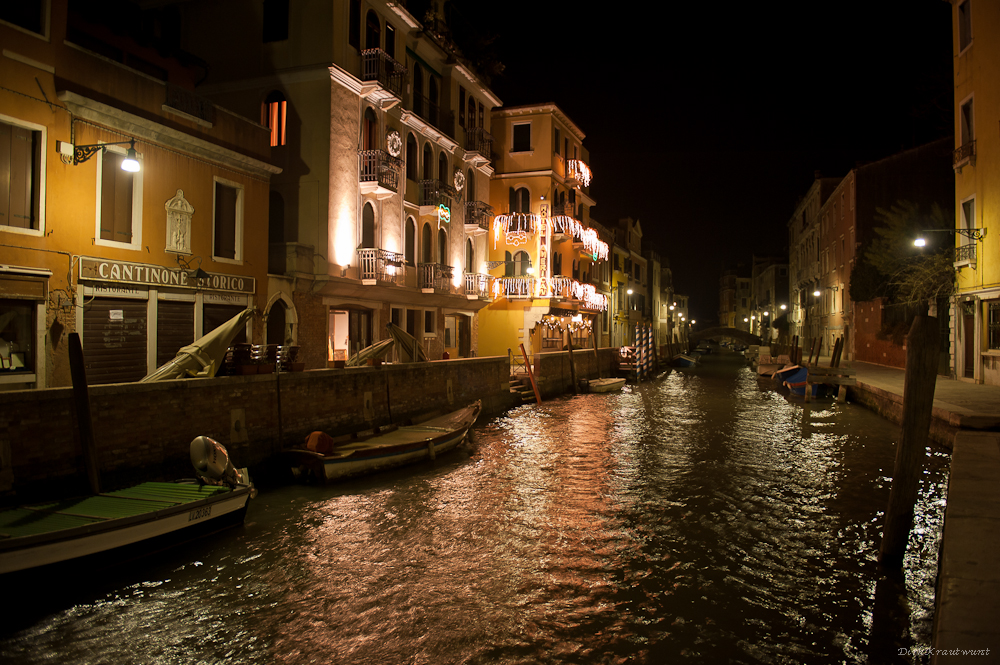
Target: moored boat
pixel 324 458
pixel 62 531
pixel 605 385
pixel 685 360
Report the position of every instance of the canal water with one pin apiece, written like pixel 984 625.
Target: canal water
pixel 699 517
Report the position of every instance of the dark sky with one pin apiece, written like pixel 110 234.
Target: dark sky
pixel 707 121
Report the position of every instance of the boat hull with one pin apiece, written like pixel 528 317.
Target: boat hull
pixel 402 446
pixel 605 385
pixel 25 552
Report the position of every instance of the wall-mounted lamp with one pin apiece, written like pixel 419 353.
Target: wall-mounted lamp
pixel 971 234
pixel 629 291
pixel 784 307
pixel 194 273
pixel 82 153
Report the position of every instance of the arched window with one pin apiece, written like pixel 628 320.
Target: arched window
pixel 442 247
pixel 368 226
pixel 428 162
pixel 470 256
pixel 418 90
pixel 373 30
pixel 432 102
pixel 443 168
pixel 369 130
pixel 426 247
pixel 276 326
pixel 411 241
pixel 521 263
pixel 273 116
pixel 411 157
pixel 508 266
pixel 520 200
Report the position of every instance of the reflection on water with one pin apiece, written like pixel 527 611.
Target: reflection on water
pixel 697 517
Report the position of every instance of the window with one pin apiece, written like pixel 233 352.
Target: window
pixel 461 106
pixel 968 128
pixel 426 248
pixel 21 182
pixel 274 114
pixel 992 324
pixel 373 31
pixel 472 113
pixel 969 217
pixel 228 215
pixel 470 257
pixel 369 130
pixel 354 24
pixel 428 162
pixel 964 25
pixel 520 200
pixel 411 157
pixel 522 137
pixel 390 40
pixel 17 335
pixel 482 119
pixel 429 322
pixel 368 226
pixel 275 21
pixel 521 263
pixel 442 247
pixel 556 142
pixel 27 14
pixel 119 207
pixel 411 240
pixel 449 330
pixel 443 168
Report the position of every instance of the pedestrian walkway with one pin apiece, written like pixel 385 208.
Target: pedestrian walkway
pixel 967 618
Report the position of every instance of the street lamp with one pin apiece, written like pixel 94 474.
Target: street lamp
pixel 971 234
pixel 82 153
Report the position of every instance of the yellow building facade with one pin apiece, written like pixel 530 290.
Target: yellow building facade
pixel 111 254
pixel 547 264
pixel 976 338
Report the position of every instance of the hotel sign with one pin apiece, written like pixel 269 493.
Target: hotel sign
pixel 123 272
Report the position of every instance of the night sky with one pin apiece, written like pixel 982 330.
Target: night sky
pixel 707 121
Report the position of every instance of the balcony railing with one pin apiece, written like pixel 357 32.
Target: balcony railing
pixel 379 167
pixel 477 286
pixel 966 254
pixel 435 192
pixel 376 65
pixel 479 140
pixel 577 169
pixel 564 209
pixel 964 155
pixel 380 265
pixel 436 276
pixel 435 114
pixel 477 216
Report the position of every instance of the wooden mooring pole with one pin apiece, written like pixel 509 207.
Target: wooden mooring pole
pixel 918 400
pixel 572 365
pixel 81 400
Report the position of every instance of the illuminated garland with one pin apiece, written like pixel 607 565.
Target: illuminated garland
pixel 516 226
pixel 556 287
pixel 579 169
pixel 553 322
pixel 591 240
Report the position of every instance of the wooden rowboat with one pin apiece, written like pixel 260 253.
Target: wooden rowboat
pixel 605 385
pixel 323 458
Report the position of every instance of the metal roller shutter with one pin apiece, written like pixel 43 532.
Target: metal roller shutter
pixel 216 315
pixel 174 329
pixel 114 340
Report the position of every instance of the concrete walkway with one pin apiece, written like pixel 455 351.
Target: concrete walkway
pixel 967 619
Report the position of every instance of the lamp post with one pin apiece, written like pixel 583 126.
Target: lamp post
pixel 971 234
pixel 82 153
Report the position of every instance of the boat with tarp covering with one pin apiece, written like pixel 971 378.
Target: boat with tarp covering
pixel 60 531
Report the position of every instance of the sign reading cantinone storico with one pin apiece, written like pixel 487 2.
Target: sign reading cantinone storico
pixel 123 272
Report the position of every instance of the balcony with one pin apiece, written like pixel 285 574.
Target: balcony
pixel 433 194
pixel 477 286
pixel 577 173
pixel 441 118
pixel 964 156
pixel 435 277
pixel 379 173
pixel 380 266
pixel 382 78
pixel 478 146
pixel 966 256
pixel 477 217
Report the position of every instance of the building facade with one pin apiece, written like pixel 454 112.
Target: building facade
pixel 139 262
pixel 976 162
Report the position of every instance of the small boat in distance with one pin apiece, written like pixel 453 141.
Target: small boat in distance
pixel 685 360
pixel 605 385
pixel 324 458
pixel 58 532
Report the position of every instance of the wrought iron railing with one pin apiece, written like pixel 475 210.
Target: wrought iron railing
pixel 381 167
pixel 434 113
pixel 435 192
pixel 564 209
pixel 966 154
pixel 435 276
pixel 479 214
pixel 376 65
pixel 966 253
pixel 477 284
pixel 380 265
pixel 479 140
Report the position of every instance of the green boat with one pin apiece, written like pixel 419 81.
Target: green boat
pixel 60 531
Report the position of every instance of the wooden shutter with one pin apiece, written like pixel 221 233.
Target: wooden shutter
pixel 19 176
pixel 116 200
pixel 225 221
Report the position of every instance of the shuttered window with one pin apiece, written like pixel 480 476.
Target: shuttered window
pixel 20 176
pixel 116 199
pixel 228 220
pixel 114 340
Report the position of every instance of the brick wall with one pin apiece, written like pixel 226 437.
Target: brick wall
pixel 553 374
pixel 868 347
pixel 143 430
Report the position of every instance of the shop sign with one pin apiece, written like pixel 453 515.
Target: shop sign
pixel 123 272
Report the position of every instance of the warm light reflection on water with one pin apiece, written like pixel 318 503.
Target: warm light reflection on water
pixel 697 517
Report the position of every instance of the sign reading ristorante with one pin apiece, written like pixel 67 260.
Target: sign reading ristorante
pixel 123 272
